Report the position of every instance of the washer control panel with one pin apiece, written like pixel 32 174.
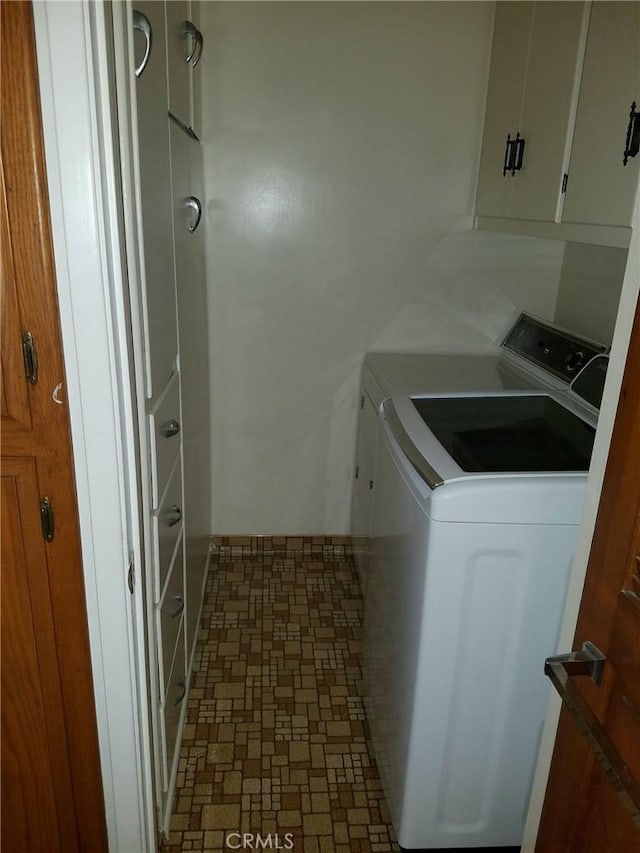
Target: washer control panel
pixel 557 351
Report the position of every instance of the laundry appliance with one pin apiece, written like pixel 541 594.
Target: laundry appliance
pixel 477 502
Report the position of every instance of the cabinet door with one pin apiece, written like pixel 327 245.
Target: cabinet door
pixel 187 178
pixel 169 619
pixel 179 44
pixel 165 434
pixel 184 49
pixel 601 190
pixel 166 526
pixel 548 108
pixel 187 209
pixel 196 76
pixel 511 37
pixel 158 295
pixel 170 714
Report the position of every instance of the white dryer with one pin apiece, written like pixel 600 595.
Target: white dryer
pixel 475 515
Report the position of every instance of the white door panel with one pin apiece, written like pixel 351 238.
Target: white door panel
pixel 178 48
pixel 512 32
pixel 548 110
pixel 159 299
pixel 601 190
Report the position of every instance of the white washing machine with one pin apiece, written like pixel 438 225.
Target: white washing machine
pixel 386 374
pixel 476 508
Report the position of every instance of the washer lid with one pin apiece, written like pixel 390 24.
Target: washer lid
pixel 508 434
pixel 448 493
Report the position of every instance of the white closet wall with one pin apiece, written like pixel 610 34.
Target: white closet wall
pixel 590 288
pixel 341 146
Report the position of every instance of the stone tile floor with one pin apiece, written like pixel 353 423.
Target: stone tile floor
pixel 275 745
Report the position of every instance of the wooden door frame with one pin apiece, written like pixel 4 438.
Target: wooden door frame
pixel 48 633
pixel 82 159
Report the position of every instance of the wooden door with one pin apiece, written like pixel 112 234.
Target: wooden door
pixel 582 812
pixel 52 796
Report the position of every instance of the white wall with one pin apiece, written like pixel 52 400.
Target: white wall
pixel 589 292
pixel 341 145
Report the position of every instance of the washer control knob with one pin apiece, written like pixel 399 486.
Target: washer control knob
pixel 575 360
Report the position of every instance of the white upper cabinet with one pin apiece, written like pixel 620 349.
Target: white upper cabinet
pixel 184 50
pixel 601 190
pixel 507 76
pixel 563 78
pixel 548 109
pixel 532 92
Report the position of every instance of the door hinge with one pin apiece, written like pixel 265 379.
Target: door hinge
pixel 131 578
pixel 565 181
pixel 357 471
pixel 47 519
pixel 30 358
pixel 362 402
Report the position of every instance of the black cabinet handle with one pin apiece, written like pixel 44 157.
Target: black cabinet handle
pixel 519 153
pixel 507 156
pixel 513 154
pixel 632 145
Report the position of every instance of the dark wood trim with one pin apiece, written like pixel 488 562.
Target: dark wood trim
pixel 49 440
pixel 607 573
